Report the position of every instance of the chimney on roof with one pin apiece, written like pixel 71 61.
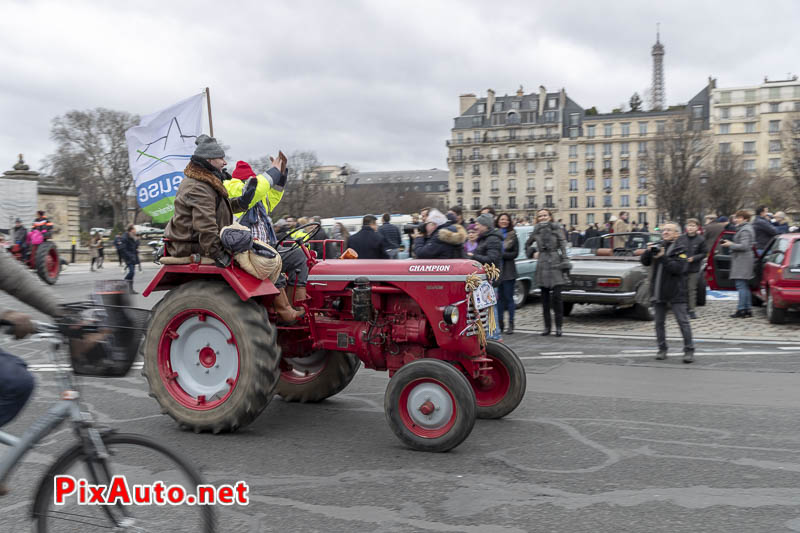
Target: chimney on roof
pixel 520 92
pixel 712 83
pixel 542 98
pixel 465 102
pixel 489 102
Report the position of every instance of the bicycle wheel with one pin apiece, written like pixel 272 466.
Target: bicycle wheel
pixel 141 461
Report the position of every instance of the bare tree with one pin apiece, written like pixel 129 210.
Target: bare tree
pixel 773 189
pixel 301 187
pixel 674 167
pixel 92 152
pixel 726 184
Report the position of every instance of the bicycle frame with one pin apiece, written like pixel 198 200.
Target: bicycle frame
pixel 67 407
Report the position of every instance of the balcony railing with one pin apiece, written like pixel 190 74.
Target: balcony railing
pixel 549 205
pixel 530 205
pixel 530 155
pixel 475 157
pixel 511 205
pixel 512 189
pixel 457 158
pixel 512 155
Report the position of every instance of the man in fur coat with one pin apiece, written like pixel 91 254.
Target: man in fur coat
pixel 202 205
pixel 443 238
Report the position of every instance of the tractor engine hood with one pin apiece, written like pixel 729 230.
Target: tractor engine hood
pixel 395 270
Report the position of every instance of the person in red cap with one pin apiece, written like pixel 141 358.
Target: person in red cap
pixel 269 193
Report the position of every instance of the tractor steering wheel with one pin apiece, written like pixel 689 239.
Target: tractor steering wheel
pixel 298 241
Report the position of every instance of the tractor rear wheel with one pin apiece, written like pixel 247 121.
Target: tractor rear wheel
pixel 500 391
pixel 430 405
pixel 210 359
pixel 47 264
pixel 317 376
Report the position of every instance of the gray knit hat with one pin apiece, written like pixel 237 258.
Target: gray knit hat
pixel 208 148
pixel 486 219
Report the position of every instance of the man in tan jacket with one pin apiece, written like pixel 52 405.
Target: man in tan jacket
pixel 621 226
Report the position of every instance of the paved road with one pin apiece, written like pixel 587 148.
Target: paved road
pixel 607 439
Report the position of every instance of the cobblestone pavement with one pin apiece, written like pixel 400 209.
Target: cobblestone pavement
pixel 713 322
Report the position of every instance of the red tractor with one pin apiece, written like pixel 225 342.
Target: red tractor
pixel 214 358
pixel 41 257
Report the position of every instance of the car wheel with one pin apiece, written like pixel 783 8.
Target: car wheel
pixel 775 315
pixel 520 293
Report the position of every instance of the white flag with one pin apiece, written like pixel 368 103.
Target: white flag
pixel 159 149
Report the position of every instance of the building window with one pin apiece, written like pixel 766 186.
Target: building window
pixel 606 183
pixel 460 187
pixel 590 218
pixel 774 92
pixel 642 217
pixel 624 183
pixel 548 165
pixel 498 106
pixel 476 186
pixel 749 165
pixel 624 163
pixel 590 201
pixel 512 167
pixel 512 134
pixel 515 104
pixel 749 127
pixel 606 149
pixel 797 106
pixel 573 150
pixel 494 168
pixel 725 97
pixel 724 129
pixel 774 107
pixel 660 146
pixel 459 138
pixel 624 201
pixel 495 186
pixel 643 128
pixel 589 150
pixel 606 164
pixel 477 120
pixel 573 184
pixel 573 133
pixel 725 113
pixel 531 184
pixel 552 103
pixel 775 163
pixel 775 146
pixel 642 182
pixel 531 202
pixel 573 167
pixel 642 147
pixel 550 116
pixel 459 170
pixel 623 149
pixel 750 111
pixel 573 219
pixel 531 167
pixel 697 111
pixel 548 149
pixel 626 129
pixel 749 147
pixel 460 200
pixel 774 126
pixel 589 184
pixel 573 202
pixel 750 95
pixel 574 119
pixel 476 202
pixel 476 170
pixel 661 126
pixel 641 200
pixel 608 130
pixel 512 202
pixel 477 136
pixel 643 165
pixel 590 165
pixel 512 185
pixel 481 108
pixel 548 184
pixel 590 132
pixel 606 201
pixel 476 153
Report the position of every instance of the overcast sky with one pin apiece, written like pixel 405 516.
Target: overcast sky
pixel 370 83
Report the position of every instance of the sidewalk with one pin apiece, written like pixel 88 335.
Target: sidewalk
pixel 713 322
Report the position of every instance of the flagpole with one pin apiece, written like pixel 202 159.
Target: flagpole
pixel 210 123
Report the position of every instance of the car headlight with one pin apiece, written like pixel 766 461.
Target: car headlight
pixel 450 314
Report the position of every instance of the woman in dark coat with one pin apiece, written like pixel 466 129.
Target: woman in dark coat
pixel 551 266
pixel 742 261
pixel 508 274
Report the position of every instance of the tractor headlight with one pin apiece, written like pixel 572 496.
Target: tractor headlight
pixel 450 314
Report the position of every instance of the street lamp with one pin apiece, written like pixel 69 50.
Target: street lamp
pixel 703 183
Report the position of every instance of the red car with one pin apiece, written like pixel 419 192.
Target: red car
pixel 777 279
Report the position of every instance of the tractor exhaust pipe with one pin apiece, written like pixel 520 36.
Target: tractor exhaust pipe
pixel 361 306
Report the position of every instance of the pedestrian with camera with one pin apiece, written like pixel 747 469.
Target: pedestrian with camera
pixel 443 238
pixel 669 275
pixel 548 244
pixel 742 261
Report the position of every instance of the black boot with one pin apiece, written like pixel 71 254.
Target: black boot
pixel 502 326
pixel 738 314
pixel 547 322
pixel 131 290
pixel 546 310
pixel 559 310
pixel 688 356
pixel 747 313
pixel 510 330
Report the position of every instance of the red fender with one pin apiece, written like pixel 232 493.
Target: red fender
pixel 245 285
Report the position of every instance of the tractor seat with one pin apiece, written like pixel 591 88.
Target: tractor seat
pixel 169 260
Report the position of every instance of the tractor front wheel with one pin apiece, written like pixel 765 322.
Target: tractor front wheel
pixel 211 360
pixel 48 265
pixel 316 376
pixel 430 405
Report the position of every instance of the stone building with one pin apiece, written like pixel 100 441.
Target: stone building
pixel 751 121
pixel 424 187
pixel 505 151
pixel 24 191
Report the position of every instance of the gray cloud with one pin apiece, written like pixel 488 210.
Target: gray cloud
pixel 374 84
